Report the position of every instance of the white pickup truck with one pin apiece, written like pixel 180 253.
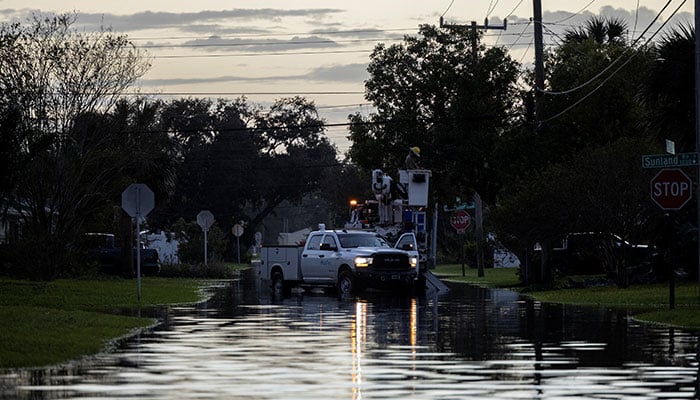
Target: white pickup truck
pixel 348 260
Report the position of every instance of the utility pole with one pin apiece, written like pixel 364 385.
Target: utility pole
pixel 539 61
pixel 477 199
pixel 475 27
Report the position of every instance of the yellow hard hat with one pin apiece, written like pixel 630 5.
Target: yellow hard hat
pixel 416 150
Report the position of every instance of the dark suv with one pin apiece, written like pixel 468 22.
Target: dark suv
pixel 599 253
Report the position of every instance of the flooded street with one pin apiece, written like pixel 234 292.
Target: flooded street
pixel 470 344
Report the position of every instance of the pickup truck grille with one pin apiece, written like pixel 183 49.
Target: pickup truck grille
pixel 390 262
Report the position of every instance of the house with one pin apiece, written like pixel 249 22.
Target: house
pixel 11 220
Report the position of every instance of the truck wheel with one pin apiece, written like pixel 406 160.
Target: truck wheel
pixel 277 285
pixel 346 284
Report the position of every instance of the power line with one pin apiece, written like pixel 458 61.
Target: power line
pixel 617 70
pixel 492 7
pixel 615 61
pixel 636 19
pixel 577 13
pixel 519 36
pixel 345 106
pixel 448 8
pixel 506 18
pixel 526 50
pixel 514 9
pixel 320 125
pixel 288 53
pixel 552 33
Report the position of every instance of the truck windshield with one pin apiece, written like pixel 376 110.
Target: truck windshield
pixel 350 240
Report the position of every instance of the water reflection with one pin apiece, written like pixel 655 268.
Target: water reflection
pixel 473 344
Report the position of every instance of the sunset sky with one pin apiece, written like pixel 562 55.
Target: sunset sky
pixel 267 49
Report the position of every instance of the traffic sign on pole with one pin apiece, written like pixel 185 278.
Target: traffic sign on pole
pixel 237 231
pixel 671 189
pixel 138 201
pixel 205 219
pixel 460 221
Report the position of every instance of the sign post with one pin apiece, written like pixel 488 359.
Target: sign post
pixel 671 189
pixel 460 222
pixel 138 201
pixel 479 217
pixel 205 219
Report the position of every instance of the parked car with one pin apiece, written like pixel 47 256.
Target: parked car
pixel 102 248
pixel 599 253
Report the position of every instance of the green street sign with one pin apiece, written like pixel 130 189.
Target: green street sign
pixel 670 160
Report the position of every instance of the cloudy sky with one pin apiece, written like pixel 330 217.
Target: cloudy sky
pixel 267 49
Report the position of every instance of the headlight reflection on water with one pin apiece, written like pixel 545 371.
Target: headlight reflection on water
pixel 358 336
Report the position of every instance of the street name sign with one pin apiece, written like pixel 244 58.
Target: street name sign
pixel 670 160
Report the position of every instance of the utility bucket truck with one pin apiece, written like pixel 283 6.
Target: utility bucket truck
pixel 397 208
pixel 400 208
pixel 361 255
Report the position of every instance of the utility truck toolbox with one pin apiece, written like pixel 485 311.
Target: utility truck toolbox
pixel 285 257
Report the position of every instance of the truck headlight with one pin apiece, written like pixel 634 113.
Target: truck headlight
pixel 413 261
pixel 363 262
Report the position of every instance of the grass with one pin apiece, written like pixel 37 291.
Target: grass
pixel 35 336
pixel 682 317
pixel 237 267
pixel 649 302
pixel 493 277
pixel 46 323
pixel 639 297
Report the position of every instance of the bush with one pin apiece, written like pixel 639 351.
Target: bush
pixel 191 242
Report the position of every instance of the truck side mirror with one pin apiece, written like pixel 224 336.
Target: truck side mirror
pixel 407 246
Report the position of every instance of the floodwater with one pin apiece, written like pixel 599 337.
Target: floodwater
pixel 469 344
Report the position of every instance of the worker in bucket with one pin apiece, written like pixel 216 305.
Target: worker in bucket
pixel 412 158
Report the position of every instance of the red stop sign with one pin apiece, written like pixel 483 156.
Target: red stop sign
pixel 460 220
pixel 671 188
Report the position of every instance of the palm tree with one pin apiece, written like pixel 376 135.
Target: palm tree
pixel 668 91
pixel 600 30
